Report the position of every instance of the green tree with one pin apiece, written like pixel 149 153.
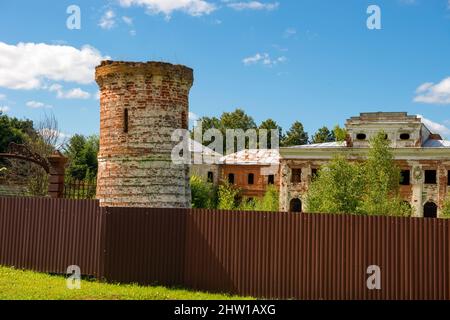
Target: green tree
pixel 237 119
pixel 446 208
pixel 270 202
pixel 340 134
pixel 228 196
pixel 323 135
pixel 370 187
pixel 269 125
pixel 14 130
pixel 82 153
pixel 337 188
pixel 382 177
pixel 204 194
pixel 295 136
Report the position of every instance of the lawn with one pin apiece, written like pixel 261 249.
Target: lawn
pixel 27 285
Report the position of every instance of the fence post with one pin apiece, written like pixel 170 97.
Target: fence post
pixel 57 171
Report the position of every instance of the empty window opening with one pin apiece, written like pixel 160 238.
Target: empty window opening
pixel 210 177
pixel 361 136
pixel 184 120
pixel 295 205
pixel 125 120
pixel 271 179
pixel 430 210
pixel 251 178
pixel 405 136
pixel 296 176
pixel 430 177
pixel 231 178
pixel 314 173
pixel 405 177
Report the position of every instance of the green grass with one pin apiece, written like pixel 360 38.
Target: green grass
pixel 28 285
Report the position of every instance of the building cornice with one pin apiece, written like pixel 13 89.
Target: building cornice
pixel 355 153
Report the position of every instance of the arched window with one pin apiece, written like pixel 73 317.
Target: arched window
pixel 405 136
pixel 295 205
pixel 430 210
pixel 361 136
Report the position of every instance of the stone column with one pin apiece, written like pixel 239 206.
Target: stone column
pixel 57 171
pixel 417 181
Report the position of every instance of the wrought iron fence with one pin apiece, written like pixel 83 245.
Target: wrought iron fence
pixel 79 189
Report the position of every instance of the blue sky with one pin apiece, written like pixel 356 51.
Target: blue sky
pixel 309 60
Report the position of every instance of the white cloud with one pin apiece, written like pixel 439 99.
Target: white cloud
pixel 30 65
pixel 108 20
pixel 264 59
pixel 4 109
pixel 432 93
pixel 289 32
pixel 76 93
pixel 37 105
pixel 167 7
pixel 253 5
pixel 127 20
pixel 2 96
pixel 435 127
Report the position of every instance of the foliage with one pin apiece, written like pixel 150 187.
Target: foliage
pixel 28 285
pixel 228 196
pixel 269 203
pixel 323 135
pixel 368 188
pixel 238 119
pixel 340 134
pixel 382 177
pixel 82 153
pixel 337 188
pixel 204 194
pixel 295 136
pixel 14 130
pixel 269 125
pixel 446 208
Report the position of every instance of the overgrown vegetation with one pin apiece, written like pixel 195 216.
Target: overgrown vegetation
pixel 204 194
pixel 369 187
pixel 229 197
pixel 445 213
pixel 269 203
pixel 82 154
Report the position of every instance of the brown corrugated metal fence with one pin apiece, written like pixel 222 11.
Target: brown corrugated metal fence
pixel 276 255
pixel 49 235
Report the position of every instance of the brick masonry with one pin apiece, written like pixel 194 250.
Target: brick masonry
pixel 141 104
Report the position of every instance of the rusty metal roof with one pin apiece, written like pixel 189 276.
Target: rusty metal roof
pixel 253 157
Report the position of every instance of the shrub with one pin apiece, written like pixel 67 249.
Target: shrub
pixel 204 194
pixel 228 196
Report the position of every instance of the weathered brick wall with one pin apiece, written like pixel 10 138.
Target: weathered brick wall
pixel 135 167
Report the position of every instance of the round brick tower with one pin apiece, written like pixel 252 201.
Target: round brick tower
pixel 141 104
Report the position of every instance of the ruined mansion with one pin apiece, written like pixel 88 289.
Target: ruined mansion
pixel 141 104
